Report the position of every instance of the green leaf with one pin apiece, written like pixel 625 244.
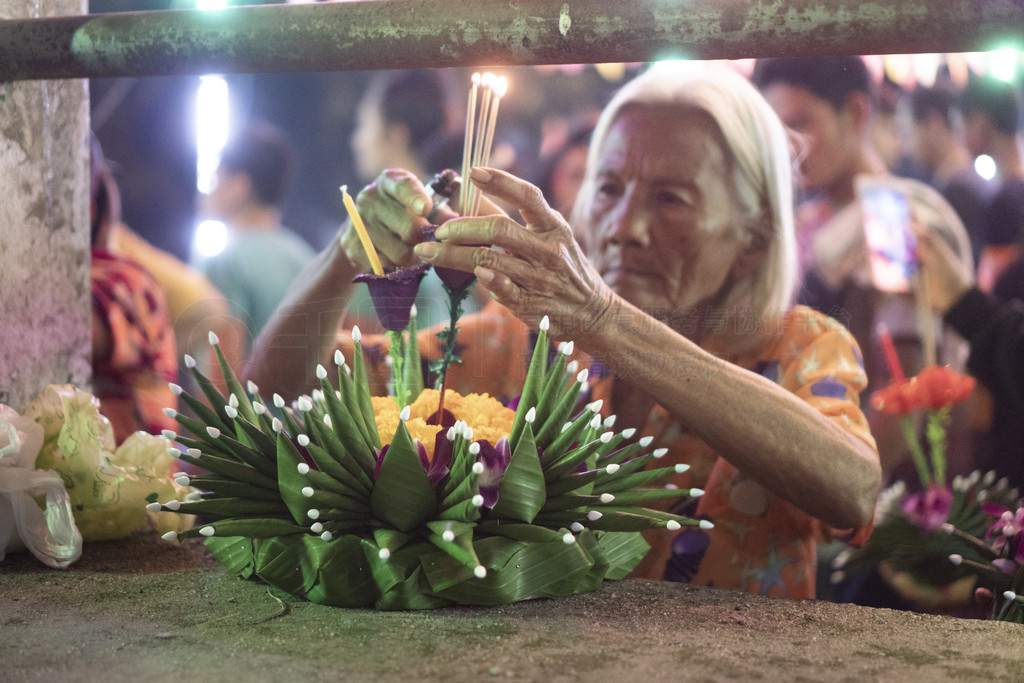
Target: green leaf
pixel 215 487
pixel 571 460
pixel 619 552
pixel 550 424
pixel 250 527
pixel 231 469
pixel 413 366
pixel 223 508
pixel 348 433
pixel 360 463
pixel 516 571
pixel 532 387
pixel 235 553
pixel 412 593
pixel 204 413
pixel 284 562
pixel 460 548
pixel 565 439
pixel 521 493
pixel 551 391
pixel 363 404
pixel 234 386
pixel 340 574
pixel 263 462
pixel 527 533
pixel 580 482
pixel 210 391
pixel 402 496
pixel 261 441
pixel 292 483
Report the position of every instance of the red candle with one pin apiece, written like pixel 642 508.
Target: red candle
pixel 890 354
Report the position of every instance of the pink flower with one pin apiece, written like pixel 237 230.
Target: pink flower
pixel 1008 530
pixel 929 509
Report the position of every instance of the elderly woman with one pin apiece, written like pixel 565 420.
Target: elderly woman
pixel 683 309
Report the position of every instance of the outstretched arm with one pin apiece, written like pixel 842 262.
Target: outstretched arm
pixel 765 431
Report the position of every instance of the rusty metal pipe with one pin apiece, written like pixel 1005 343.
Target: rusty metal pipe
pixel 386 34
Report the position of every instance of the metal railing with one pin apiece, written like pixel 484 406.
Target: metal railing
pixel 385 34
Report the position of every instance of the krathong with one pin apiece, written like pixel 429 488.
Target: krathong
pixel 943 533
pixel 346 499
pixel 423 498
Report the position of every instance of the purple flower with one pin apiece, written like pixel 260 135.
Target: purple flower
pixel 455 279
pixel 437 469
pixel 495 460
pixel 393 294
pixel 929 509
pixel 1007 530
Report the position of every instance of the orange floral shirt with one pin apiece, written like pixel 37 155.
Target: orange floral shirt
pixel 760 543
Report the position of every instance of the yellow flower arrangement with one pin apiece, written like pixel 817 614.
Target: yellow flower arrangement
pixel 484 414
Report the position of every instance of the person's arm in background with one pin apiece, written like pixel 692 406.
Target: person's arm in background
pixel 994 330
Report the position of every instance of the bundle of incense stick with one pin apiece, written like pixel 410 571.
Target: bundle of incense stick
pixel 480 119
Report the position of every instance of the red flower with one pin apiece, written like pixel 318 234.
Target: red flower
pixel 935 387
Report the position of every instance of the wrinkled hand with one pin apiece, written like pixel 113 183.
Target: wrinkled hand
pixel 394 208
pixel 945 275
pixel 539 270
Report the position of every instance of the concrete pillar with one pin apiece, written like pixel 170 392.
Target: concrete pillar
pixel 44 226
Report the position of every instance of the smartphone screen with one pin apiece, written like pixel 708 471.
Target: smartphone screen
pixel 891 246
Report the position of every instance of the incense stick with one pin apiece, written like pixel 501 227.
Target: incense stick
pixel 480 122
pixel 497 92
pixel 925 320
pixel 467 144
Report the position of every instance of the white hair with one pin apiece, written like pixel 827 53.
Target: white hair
pixel 756 141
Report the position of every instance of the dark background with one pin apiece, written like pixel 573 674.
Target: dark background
pixel 147 129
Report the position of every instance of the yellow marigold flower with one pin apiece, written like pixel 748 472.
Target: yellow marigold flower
pixel 488 418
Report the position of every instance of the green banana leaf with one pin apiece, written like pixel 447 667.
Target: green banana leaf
pixel 402 496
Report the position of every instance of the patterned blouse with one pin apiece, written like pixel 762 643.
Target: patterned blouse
pixel 132 383
pixel 760 543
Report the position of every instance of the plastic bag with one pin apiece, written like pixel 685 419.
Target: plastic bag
pixel 109 488
pixel 47 532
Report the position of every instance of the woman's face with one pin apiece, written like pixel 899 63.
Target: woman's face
pixel 827 138
pixel 664 227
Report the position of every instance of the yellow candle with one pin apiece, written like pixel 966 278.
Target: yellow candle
pixel 364 237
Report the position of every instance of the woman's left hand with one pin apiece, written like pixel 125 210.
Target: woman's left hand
pixel 540 269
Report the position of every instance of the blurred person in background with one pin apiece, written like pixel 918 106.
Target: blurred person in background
pixel 889 130
pixel 827 105
pixel 994 328
pixel 992 111
pixel 133 351
pixel 562 169
pixel 939 146
pixel 262 257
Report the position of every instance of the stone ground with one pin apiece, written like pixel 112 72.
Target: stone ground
pixel 142 609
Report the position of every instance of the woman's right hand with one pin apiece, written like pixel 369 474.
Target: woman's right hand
pixel 394 209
